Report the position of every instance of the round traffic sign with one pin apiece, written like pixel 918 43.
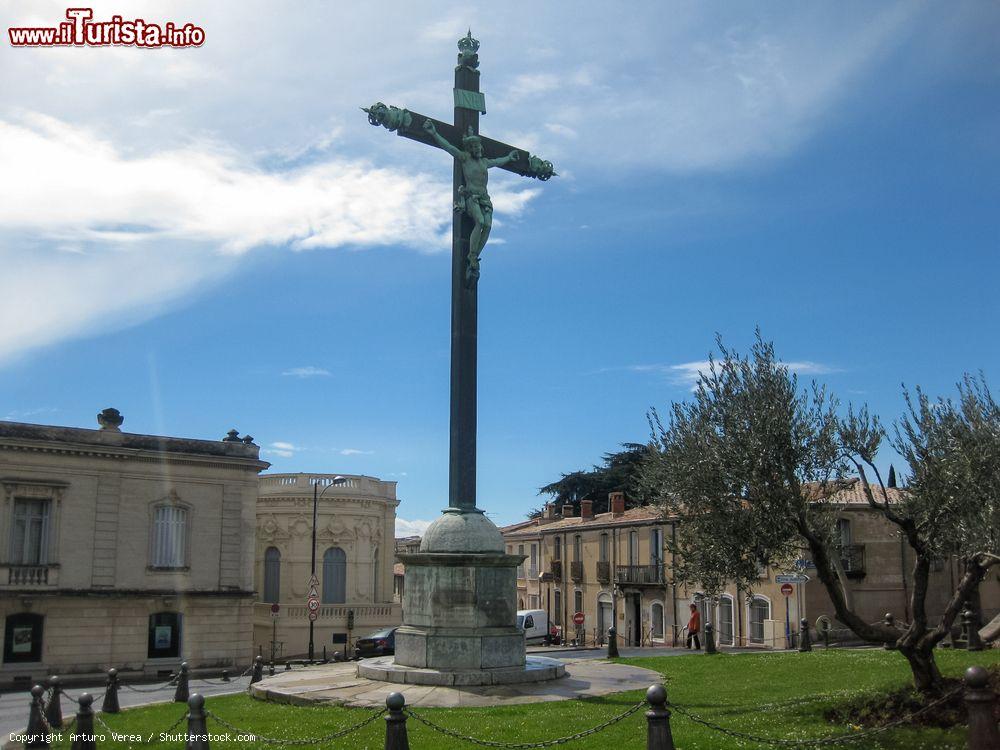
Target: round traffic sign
pixel 787 589
pixel 313 604
pixel 578 618
pixel 313 616
pixel 275 609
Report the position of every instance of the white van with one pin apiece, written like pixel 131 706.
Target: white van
pixel 534 623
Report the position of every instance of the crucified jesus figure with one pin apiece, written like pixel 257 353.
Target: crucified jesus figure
pixel 473 193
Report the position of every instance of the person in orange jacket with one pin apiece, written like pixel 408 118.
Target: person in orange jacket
pixel 694 627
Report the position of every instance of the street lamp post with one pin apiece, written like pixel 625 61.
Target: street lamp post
pixel 337 480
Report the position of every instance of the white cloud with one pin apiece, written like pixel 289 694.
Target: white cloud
pixel 687 373
pixel 355 452
pixel 281 448
pixel 410 528
pixel 138 232
pixel 307 372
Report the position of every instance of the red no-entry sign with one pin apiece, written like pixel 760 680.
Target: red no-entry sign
pixel 787 589
pixel 578 618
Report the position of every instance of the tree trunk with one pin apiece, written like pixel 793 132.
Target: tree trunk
pixel 926 675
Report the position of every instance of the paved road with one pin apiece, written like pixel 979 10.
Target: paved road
pixel 14 705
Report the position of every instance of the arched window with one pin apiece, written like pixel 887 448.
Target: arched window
pixel 760 610
pixel 272 575
pixel 604 615
pixel 334 576
pixel 726 633
pixel 164 635
pixel 656 615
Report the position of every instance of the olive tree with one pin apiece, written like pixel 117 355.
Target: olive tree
pixel 750 463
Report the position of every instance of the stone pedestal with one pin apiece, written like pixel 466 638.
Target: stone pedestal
pixel 460 610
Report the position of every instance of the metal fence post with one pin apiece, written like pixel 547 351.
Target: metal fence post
pixel 969 620
pixel 83 735
pixel 395 723
pixel 324 654
pixel 182 693
pixel 258 670
pixel 709 638
pixel 890 622
pixel 288 666
pixel 225 675
pixel 270 669
pixel 37 734
pixel 658 735
pixel 804 643
pixel 980 702
pixel 197 728
pixel 612 643
pixel 110 703
pixel 53 711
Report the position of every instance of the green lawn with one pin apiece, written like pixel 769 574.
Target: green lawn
pixel 771 694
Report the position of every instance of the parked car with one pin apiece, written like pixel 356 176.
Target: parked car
pixel 379 643
pixel 534 623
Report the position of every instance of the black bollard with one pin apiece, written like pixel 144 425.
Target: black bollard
pixel 804 643
pixel 395 723
pixel 709 638
pixel 110 703
pixel 53 711
pixel 658 734
pixel 980 703
pixel 197 727
pixel 612 643
pixel 83 733
pixel 288 666
pixel 225 675
pixel 890 622
pixel 270 669
pixel 182 693
pixel 337 656
pixel 324 655
pixel 38 735
pixel 971 624
pixel 258 670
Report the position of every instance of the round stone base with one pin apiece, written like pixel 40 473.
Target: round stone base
pixel 535 669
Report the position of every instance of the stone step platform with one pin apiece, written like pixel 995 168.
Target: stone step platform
pixel 535 669
pixel 340 684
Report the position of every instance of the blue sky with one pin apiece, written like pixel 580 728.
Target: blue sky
pixel 215 237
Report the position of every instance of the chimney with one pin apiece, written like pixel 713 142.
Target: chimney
pixel 587 510
pixel 550 511
pixel 617 501
pixel 567 510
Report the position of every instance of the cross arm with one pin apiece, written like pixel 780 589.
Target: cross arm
pixel 411 125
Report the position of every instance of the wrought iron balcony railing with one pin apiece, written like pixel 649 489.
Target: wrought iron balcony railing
pixel 604 572
pixel 555 568
pixel 640 575
pixel 576 571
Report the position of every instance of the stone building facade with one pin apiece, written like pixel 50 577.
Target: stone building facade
pixel 125 550
pixel 615 568
pixel 354 561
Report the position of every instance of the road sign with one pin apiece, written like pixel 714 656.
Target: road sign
pixel 313 582
pixel 313 616
pixel 787 589
pixel 791 578
pixel 313 593
pixel 578 618
pixel 313 605
pixel 275 609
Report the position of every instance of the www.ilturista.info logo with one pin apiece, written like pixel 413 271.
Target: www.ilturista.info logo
pixel 82 31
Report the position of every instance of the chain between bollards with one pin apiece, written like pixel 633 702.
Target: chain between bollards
pixel 53 711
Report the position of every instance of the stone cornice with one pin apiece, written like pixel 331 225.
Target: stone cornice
pixel 138 455
pixel 125 593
